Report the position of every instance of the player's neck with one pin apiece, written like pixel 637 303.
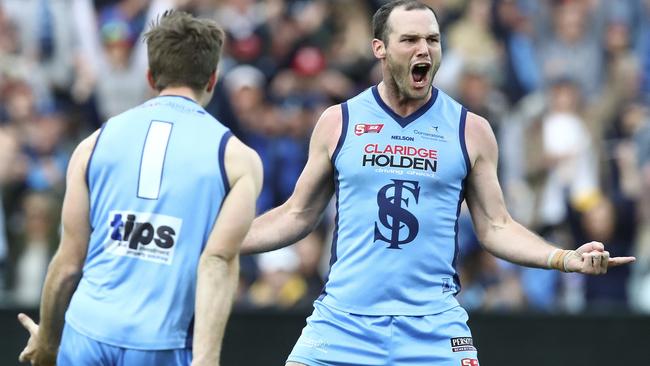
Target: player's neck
pixel 398 102
pixel 181 91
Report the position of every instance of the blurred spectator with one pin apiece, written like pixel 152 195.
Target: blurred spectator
pixel 470 42
pixel 514 26
pixel 244 86
pixel 122 83
pixel 637 120
pixel 279 284
pixel 612 223
pixel 8 152
pixel 642 42
pixel 560 175
pixel 622 86
pixel 477 93
pixel 46 36
pixel 47 156
pixel 568 154
pixel 349 51
pixel 245 24
pixel 310 252
pixel 571 50
pixel 111 61
pixel 32 262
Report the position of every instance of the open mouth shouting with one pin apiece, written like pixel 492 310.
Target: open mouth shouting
pixel 420 74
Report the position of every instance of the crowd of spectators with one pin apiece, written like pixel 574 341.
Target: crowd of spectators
pixel 564 83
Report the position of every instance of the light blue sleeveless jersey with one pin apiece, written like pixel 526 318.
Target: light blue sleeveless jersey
pixel 399 186
pixel 156 181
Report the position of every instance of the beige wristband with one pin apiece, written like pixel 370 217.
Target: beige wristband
pixel 557 259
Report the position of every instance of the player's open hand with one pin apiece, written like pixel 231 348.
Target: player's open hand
pixel 592 258
pixel 33 352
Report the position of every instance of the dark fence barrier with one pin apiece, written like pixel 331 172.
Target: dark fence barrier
pixel 265 338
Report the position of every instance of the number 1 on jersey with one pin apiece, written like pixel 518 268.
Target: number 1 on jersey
pixel 153 159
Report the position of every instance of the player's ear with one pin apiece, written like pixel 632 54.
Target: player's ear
pixel 212 81
pixel 150 79
pixel 379 48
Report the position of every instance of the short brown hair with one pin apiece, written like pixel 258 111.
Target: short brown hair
pixel 183 50
pixel 380 19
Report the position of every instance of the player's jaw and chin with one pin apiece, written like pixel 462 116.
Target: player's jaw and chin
pixel 403 80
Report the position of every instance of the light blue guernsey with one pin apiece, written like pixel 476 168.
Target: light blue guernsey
pixel 156 182
pixel 399 186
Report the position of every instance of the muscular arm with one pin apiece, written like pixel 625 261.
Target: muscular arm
pixel 503 236
pixel 65 268
pixel 219 263
pixel 293 220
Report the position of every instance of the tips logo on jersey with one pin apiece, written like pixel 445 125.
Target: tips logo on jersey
pixel 361 128
pixel 143 235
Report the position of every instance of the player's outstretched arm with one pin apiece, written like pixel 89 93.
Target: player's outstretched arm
pixel 218 269
pixel 503 236
pixel 293 220
pixel 64 271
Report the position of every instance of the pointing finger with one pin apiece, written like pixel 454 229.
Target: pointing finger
pixel 618 261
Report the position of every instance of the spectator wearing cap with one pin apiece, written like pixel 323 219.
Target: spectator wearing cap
pixel 245 88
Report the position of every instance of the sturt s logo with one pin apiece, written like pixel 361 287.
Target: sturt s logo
pixel 143 235
pixel 402 225
pixel 361 128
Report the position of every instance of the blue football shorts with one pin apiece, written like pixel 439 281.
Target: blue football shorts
pixel 80 350
pixel 337 338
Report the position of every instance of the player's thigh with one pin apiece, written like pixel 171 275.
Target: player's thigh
pixel 77 349
pixel 441 339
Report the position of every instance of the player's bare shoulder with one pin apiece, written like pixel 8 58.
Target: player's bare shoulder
pixel 480 139
pixel 81 155
pixel 328 129
pixel 240 160
pixel 88 144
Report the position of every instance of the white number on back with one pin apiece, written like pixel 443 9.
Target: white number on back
pixel 153 159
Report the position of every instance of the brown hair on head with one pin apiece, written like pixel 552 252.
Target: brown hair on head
pixel 380 28
pixel 183 50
